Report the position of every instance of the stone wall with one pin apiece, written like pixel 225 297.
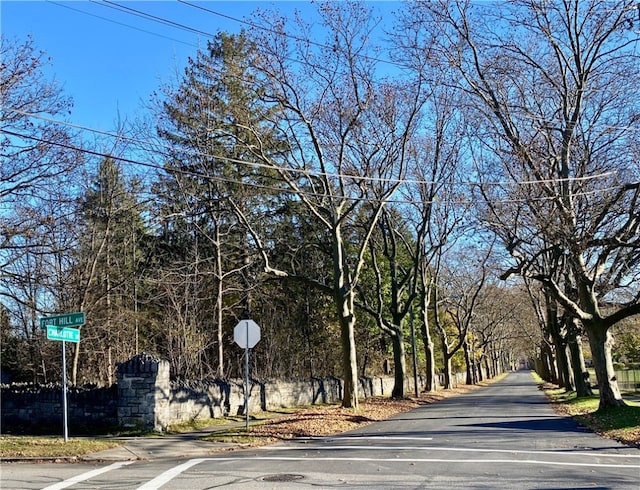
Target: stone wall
pixel 144 393
pixel 214 398
pixel 38 409
pixel 145 398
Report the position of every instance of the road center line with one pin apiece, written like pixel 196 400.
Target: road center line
pixel 454 449
pixel 367 438
pixel 86 476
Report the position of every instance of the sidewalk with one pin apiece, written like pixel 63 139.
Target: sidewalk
pixel 161 446
pixel 187 445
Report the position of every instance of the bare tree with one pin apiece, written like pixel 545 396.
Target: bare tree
pixel 552 90
pixel 496 333
pixel 39 160
pixel 347 132
pixel 458 296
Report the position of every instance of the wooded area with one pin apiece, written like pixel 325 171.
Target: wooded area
pixel 461 191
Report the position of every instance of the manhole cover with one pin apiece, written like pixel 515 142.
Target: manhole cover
pixel 283 477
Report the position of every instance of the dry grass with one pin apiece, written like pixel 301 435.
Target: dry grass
pixel 41 447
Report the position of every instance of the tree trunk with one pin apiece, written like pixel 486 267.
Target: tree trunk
pixel 601 341
pixel 219 305
pixel 350 367
pixel 448 385
pixel 349 362
pixel 479 370
pixel 549 364
pixel 577 363
pixel 468 363
pixel 430 365
pixel 556 330
pixel 400 371
pixel 344 299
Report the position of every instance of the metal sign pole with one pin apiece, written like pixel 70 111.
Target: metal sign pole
pixel 246 379
pixel 246 334
pixel 64 391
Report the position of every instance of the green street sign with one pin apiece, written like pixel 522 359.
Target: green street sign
pixel 66 320
pixel 63 333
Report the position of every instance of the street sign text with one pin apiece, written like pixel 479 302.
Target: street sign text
pixel 63 333
pixel 66 320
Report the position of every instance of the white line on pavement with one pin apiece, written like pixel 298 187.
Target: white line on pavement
pixel 363 437
pixel 86 476
pixel 593 454
pixel 170 474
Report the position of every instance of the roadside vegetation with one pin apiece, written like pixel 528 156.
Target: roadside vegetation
pixel 620 423
pixel 36 447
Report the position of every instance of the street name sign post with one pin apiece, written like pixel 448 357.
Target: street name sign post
pixel 57 328
pixel 246 334
pixel 76 319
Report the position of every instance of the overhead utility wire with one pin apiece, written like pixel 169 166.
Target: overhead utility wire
pixel 295 38
pixel 165 21
pixel 202 175
pixel 308 172
pixel 187 28
pixel 121 23
pixel 168 22
pixel 155 18
pixel 272 188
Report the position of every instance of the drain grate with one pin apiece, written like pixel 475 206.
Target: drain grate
pixel 282 477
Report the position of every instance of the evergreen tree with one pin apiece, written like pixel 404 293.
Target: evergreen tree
pixel 209 191
pixel 108 265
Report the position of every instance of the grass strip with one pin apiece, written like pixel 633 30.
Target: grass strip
pixel 51 447
pixel 619 423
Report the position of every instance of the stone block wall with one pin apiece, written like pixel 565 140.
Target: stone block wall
pixel 38 409
pixel 145 398
pixel 144 393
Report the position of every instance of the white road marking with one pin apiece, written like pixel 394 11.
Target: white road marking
pixel 86 476
pixel 425 460
pixel 567 452
pixel 359 438
pixel 170 474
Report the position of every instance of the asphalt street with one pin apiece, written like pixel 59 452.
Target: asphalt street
pixel 501 436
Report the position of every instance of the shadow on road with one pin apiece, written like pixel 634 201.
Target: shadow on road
pixel 550 424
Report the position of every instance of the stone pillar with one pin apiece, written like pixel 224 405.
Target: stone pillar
pixel 144 393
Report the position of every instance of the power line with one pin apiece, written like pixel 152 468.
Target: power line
pixel 308 172
pixel 154 18
pixel 121 23
pixel 281 189
pixel 193 173
pixel 285 34
pixel 187 28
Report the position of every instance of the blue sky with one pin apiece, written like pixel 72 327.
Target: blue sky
pixel 110 61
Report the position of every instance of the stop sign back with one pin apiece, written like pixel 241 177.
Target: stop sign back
pixel 246 334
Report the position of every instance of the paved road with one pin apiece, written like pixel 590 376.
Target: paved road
pixel 501 436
